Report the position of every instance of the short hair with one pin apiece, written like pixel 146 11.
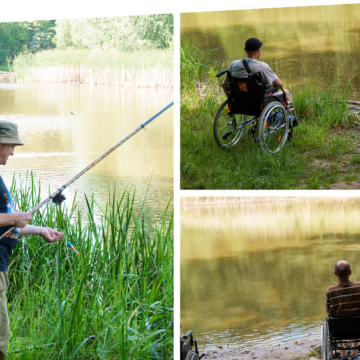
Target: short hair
pixel 342 269
pixel 253 52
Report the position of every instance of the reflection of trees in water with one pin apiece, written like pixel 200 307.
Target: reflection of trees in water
pixel 254 291
pixel 263 267
pixel 225 230
pixel 58 145
pixel 299 43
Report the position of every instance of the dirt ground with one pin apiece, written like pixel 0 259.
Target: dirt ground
pixel 299 350
pixel 343 185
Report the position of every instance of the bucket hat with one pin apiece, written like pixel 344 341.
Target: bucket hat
pixel 9 133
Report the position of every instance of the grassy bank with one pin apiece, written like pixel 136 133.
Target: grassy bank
pixel 119 289
pixel 148 68
pixel 324 150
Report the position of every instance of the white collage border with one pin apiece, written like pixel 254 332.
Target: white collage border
pixel 21 10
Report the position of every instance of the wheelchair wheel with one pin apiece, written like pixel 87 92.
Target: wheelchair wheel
pixel 326 353
pixel 273 127
pixel 225 125
pixel 192 355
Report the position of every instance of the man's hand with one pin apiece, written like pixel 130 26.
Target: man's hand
pixel 21 219
pixel 51 235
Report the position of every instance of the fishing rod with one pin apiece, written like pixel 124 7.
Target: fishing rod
pixel 57 197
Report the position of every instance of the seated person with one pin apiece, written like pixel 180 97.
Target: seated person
pixel 344 299
pixel 253 51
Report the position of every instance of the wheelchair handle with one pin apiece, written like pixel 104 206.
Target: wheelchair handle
pixel 221 73
pixel 254 73
pixel 188 334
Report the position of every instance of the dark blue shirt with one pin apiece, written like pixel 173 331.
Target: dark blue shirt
pixel 7 244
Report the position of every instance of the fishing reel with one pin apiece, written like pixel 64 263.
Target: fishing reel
pixel 59 198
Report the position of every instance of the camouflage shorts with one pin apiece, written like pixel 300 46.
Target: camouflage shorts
pixel 4 319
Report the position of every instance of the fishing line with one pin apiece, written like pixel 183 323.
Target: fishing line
pixel 220 47
pixel 223 60
pixel 57 197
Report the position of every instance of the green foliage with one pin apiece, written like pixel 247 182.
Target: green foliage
pixel 17 37
pixel 121 33
pixel 135 68
pixel 13 37
pixel 192 62
pixel 42 35
pixel 119 289
pixel 128 33
pixel 322 106
pixel 315 159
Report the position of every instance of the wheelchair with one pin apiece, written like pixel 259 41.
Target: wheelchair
pixel 186 343
pixel 339 330
pixel 271 118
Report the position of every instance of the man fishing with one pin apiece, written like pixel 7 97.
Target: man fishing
pixel 344 299
pixel 9 138
pixel 253 51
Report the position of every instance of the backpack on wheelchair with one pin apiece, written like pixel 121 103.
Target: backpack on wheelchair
pixel 186 343
pixel 271 118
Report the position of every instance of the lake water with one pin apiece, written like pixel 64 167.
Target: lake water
pixel 261 271
pixel 300 43
pixel 67 126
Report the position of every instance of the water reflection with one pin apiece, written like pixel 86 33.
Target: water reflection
pixel 299 43
pixel 67 126
pixel 263 270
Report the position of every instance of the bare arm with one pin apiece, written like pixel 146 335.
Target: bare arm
pixel 19 219
pixel 276 82
pixel 224 86
pixel 50 235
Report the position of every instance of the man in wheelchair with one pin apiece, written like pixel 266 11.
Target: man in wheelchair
pixel 238 68
pixel 255 101
pixel 343 300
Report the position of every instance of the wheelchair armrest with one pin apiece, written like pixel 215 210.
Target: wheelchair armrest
pixel 273 89
pixel 221 73
pixel 188 334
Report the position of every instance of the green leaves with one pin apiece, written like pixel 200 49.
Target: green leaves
pixel 120 289
pixel 127 33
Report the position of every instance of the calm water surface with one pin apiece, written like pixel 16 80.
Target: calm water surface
pixel 262 270
pixel 67 126
pixel 299 43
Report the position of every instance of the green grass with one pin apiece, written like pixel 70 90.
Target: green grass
pixel 323 151
pixel 119 289
pixel 192 63
pixel 316 352
pixel 148 67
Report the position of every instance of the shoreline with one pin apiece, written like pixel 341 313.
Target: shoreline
pixel 187 201
pixel 303 349
pixel 11 78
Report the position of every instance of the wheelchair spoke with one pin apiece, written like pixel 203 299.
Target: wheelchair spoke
pixel 274 127
pixel 228 129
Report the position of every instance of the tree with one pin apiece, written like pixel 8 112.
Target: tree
pixel 13 38
pixel 16 37
pixel 124 33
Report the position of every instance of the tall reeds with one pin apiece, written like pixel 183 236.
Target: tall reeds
pixel 150 68
pixel 192 62
pixel 113 301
